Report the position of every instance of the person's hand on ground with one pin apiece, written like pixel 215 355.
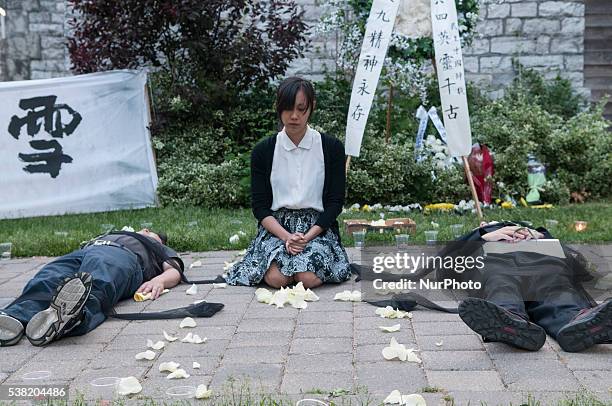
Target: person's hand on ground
pixel 152 286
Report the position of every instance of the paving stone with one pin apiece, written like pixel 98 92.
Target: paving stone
pixel 504 352
pixel 431 315
pixel 298 363
pixel 527 375
pixel 450 343
pixel 441 328
pixel 365 337
pixel 263 311
pixel 120 358
pixel 54 353
pixel 488 398
pixel 152 327
pixel 597 357
pixel 598 381
pixel 221 319
pixel 311 346
pixel 254 325
pixel 258 377
pixel 373 322
pixel 315 382
pixel 329 306
pixel 456 360
pixel 485 381
pixel 325 317
pixel 210 348
pixel 383 377
pixel 250 339
pixel 262 354
pixel 324 330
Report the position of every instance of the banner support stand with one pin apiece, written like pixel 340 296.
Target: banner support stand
pixel 468 174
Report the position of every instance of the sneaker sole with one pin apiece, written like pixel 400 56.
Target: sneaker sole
pixel 581 336
pixel 493 324
pixel 11 330
pixel 67 303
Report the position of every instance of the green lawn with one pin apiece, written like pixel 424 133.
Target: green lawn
pixel 37 236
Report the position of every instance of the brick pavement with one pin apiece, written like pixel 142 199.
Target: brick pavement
pixel 300 354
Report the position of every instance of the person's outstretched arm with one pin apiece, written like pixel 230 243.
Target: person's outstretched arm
pixel 166 280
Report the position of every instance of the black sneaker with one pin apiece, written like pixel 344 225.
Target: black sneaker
pixel 591 326
pixel 11 330
pixel 65 311
pixel 494 323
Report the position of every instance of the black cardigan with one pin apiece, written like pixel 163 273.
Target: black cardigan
pixel 333 187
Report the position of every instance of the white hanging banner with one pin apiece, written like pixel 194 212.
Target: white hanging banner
pixel 77 144
pixel 373 51
pixel 451 77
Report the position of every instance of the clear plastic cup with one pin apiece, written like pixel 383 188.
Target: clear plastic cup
pixel 456 230
pixel 551 224
pixel 359 238
pixel 146 224
pixel 431 237
pixel 5 250
pixel 181 391
pixel 192 224
pixel 61 233
pixel 401 241
pixel 36 376
pixel 105 388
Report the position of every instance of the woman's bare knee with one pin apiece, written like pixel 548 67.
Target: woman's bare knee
pixel 308 279
pixel 275 279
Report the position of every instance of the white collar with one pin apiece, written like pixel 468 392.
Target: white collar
pixel 306 142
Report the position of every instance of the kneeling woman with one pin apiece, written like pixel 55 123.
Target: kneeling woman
pixel 297 192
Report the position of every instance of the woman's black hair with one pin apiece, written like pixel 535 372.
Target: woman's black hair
pixel 162 236
pixel 288 90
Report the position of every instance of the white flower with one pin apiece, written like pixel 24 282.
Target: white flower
pixel 399 351
pixel 234 239
pixel 127 228
pixel 128 386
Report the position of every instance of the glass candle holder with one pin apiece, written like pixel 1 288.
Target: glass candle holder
pixel 401 241
pixel 580 226
pixel 456 230
pixel 359 238
pixel 431 236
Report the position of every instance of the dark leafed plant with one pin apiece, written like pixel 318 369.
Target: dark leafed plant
pixel 210 50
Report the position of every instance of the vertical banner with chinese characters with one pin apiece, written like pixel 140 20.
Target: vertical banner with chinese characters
pixel 449 64
pixel 75 145
pixel 373 50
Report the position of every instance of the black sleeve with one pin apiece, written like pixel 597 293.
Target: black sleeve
pixel 261 189
pixel 170 253
pixel 333 199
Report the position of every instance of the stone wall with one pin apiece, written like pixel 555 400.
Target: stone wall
pixel 544 35
pixel 36 44
pixel 541 34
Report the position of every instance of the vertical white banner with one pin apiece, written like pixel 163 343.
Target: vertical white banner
pixel 451 77
pixel 373 51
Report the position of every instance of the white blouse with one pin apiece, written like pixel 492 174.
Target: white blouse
pixel 298 173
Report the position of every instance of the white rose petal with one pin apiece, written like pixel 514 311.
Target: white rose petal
pixel 193 290
pixel 440 343
pixel 127 228
pixel 241 233
pixel 156 346
pixel 195 264
pixel 193 339
pixel 391 329
pixel 263 295
pixel 348 296
pixel 196 365
pixel 145 355
pixel 280 297
pixel 187 322
pixel 199 301
pixel 394 397
pixel 169 366
pixel 128 386
pixel 178 374
pixel 219 285
pixel 234 239
pixel 310 296
pixel 202 392
pixel 228 265
pixel 169 337
pixel 413 400
pixel 391 313
pixel 396 350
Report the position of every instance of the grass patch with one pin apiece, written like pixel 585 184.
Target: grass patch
pixel 37 236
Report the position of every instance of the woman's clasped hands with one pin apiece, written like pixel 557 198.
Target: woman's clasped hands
pixel 295 243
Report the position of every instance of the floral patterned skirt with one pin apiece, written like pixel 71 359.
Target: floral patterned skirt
pixel 324 255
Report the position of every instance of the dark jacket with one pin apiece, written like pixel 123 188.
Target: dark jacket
pixel 333 187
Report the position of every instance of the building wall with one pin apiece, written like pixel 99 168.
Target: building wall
pixel 541 34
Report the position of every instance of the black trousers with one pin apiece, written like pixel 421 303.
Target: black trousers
pixel 537 287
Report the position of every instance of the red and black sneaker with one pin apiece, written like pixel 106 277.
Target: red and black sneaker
pixel 494 323
pixel 589 327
